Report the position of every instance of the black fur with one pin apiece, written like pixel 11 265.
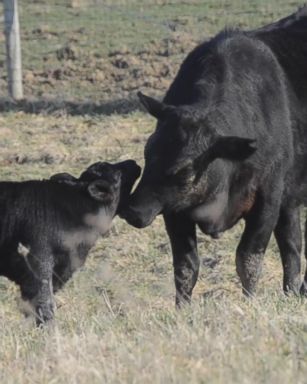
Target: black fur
pixel 47 227
pixel 231 143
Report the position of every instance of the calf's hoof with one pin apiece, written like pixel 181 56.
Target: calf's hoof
pixel 44 315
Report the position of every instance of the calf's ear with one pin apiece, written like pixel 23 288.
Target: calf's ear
pixel 65 178
pixel 101 191
pixel 225 147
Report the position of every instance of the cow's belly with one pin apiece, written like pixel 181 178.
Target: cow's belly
pixel 221 213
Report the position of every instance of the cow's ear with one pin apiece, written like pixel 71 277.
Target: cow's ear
pixel 154 107
pixel 233 148
pixel 101 191
pixel 225 147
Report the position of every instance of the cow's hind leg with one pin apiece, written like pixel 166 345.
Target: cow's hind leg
pixel 289 239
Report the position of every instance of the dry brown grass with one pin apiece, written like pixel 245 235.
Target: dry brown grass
pixel 116 321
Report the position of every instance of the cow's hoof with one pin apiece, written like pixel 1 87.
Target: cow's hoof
pixel 303 289
pixel 292 288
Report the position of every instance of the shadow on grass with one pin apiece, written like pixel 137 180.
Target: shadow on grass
pixel 56 106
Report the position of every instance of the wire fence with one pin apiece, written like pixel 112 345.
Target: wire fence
pixel 103 50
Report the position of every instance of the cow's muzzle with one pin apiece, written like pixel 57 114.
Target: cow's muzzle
pixel 140 215
pixel 136 217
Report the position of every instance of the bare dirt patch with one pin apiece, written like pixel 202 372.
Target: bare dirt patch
pixel 118 75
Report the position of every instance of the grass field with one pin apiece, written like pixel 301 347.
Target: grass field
pixel 111 49
pixel 116 321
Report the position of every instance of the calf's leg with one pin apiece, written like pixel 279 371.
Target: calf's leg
pixel 37 288
pixel 182 234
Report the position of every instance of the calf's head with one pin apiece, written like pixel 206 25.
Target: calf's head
pixel 184 161
pixel 108 184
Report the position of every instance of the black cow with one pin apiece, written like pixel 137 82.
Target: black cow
pixel 231 143
pixel 48 227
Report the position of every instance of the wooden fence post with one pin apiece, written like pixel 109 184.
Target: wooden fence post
pixel 13 54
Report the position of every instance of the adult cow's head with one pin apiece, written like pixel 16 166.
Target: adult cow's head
pixel 179 156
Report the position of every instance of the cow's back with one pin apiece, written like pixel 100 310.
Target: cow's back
pixel 201 81
pixel 288 41
pixel 236 82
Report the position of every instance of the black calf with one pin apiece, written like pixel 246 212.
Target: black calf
pixel 48 227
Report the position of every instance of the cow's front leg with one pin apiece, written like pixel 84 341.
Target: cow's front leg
pixel 182 234
pixel 259 225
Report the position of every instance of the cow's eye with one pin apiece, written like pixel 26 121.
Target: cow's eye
pixel 183 173
pixel 181 177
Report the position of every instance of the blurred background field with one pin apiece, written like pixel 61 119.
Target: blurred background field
pixel 101 50
pixel 83 62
